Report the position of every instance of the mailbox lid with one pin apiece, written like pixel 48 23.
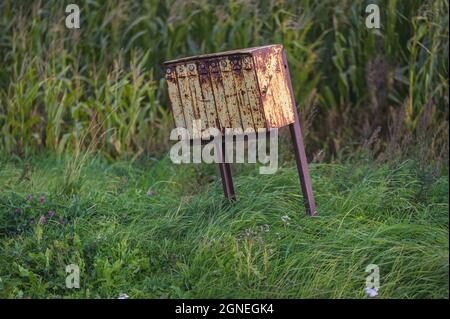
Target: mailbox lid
pixel 247 51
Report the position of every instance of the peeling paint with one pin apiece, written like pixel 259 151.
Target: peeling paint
pixel 238 89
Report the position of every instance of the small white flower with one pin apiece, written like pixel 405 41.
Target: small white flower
pixel 371 292
pixel 285 218
pixel 123 296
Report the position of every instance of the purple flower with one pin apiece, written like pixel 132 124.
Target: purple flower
pixel 50 214
pixel 29 197
pixel 42 199
pixel 42 220
pixel 151 193
pixel 371 292
pixel 17 210
pixel 31 222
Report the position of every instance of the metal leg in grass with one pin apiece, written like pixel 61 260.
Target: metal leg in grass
pixel 299 151
pixel 302 167
pixel 225 173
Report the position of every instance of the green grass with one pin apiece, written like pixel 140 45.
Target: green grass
pixel 186 241
pixel 68 94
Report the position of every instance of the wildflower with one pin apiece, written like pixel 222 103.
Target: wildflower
pixel 42 220
pixel 265 228
pixel 17 210
pixel 285 218
pixel 31 222
pixel 371 292
pixel 29 197
pixel 123 296
pixel 41 199
pixel 151 193
pixel 50 214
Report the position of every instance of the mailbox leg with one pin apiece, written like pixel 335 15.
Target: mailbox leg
pixel 225 173
pixel 302 166
pixel 299 150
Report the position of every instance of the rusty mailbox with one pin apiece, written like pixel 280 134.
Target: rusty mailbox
pixel 248 89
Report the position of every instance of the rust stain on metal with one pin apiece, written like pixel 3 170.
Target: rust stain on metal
pixel 230 93
pixel 197 97
pixel 275 93
pixel 186 97
pixel 242 96
pixel 207 95
pixel 236 89
pixel 253 94
pixel 174 94
pixel 219 95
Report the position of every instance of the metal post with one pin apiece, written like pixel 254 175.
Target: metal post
pixel 225 173
pixel 299 150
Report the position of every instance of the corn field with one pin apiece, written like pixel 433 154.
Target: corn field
pixel 101 87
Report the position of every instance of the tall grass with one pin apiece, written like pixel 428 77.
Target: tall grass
pixel 351 82
pixel 184 241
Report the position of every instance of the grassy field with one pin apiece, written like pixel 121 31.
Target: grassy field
pixel 159 230
pixel 85 177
